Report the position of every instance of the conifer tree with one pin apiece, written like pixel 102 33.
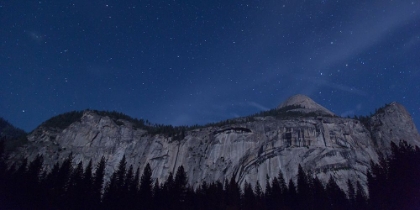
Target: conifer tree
pixel 129 178
pixel 49 183
pixel 3 174
pixel 87 187
pixel 320 197
pixel 168 192
pixel 258 190
pixel 303 189
pixel 21 171
pixel 121 173
pixel 282 183
pixel 35 169
pixel 351 194
pixel 115 191
pixel 292 199
pixel 133 190
pixel 202 196
pixel 111 198
pixel 31 184
pixel 157 195
pixel 74 195
pixel 146 185
pixel 234 194
pixel 180 187
pixel 98 182
pixel 336 197
pixel 360 198
pixel 248 197
pixel 268 195
pixel 276 194
pixel 259 196
pixel 63 178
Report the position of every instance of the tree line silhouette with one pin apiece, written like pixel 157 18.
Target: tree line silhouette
pixel 12 136
pixel 393 183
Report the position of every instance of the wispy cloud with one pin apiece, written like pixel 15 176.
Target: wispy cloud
pixel 351 111
pixel 337 86
pixel 374 31
pixel 258 106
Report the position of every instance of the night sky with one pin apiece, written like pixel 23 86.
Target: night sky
pixel 194 62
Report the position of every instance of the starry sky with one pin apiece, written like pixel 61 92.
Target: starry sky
pixel 194 62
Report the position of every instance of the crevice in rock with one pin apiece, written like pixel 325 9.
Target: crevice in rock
pixel 176 158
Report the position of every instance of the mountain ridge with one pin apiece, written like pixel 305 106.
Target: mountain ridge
pixel 285 107
pixel 306 104
pixel 247 148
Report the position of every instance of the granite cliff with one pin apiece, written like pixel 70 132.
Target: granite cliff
pixel 247 148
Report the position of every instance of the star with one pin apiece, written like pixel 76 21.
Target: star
pixel 146 59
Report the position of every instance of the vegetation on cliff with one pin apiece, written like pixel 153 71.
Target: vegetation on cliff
pixel 62 121
pixel 178 132
pixel 12 136
pixel 365 119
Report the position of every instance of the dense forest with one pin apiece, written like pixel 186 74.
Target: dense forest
pixel 392 184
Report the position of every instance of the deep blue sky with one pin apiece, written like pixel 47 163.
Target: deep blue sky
pixel 194 61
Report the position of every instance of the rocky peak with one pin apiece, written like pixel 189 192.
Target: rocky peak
pixel 393 123
pixel 307 105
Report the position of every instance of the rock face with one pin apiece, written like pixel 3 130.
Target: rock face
pixel 307 105
pixel 248 150
pixel 392 124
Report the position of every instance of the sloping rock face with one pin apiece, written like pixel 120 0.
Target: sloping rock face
pixel 324 146
pixel 307 104
pixel 392 124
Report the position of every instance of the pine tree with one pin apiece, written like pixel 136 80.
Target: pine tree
pixel 111 197
pixel 292 198
pixel 121 174
pixel 268 195
pixel 258 190
pixel 360 198
pixel 351 194
pixel 180 187
pixel 129 178
pixel 378 185
pixel 203 200
pixel 127 202
pixel 276 194
pixel 320 197
pixel 35 169
pixel 233 194
pixel 31 184
pixel 3 175
pixel 74 195
pixel 282 183
pixel 63 178
pixel 115 192
pixel 248 197
pixel 168 192
pixel 336 197
pixel 21 171
pixel 146 184
pixel 133 190
pixel 259 196
pixel 87 187
pixel 303 189
pixel 157 195
pixel 98 182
